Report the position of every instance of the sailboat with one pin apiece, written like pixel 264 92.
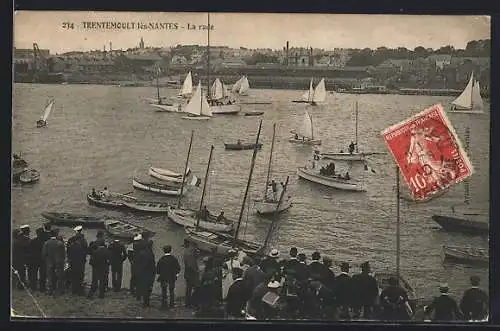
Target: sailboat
pixel 42 122
pixel 189 217
pixel 470 100
pixel 241 87
pixel 269 203
pixel 314 96
pixel 187 87
pixel 221 103
pixel 306 134
pixel 221 243
pixel 159 103
pixel 198 107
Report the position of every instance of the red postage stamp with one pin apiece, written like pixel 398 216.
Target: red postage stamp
pixel 428 152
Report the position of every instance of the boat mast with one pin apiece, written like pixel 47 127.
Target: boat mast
pixel 310 89
pixel 204 187
pixel 158 84
pixel 240 218
pixel 397 224
pixel 208 58
pixel 356 134
pixel 276 212
pixel 270 160
pixel 312 128
pixel 185 169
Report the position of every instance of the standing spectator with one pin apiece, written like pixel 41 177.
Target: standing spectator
pixel 145 271
pixel 54 255
pixel 77 248
pixel 237 295
pixel 343 291
pixel 118 255
pixel 99 261
pixel 191 272
pixel 474 303
pixel 37 272
pixel 445 308
pixel 168 270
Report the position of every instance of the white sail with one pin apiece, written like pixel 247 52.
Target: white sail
pixel 477 101
pixel 308 95
pixel 464 100
pixel 195 105
pixel 217 91
pixel 47 111
pixel 307 130
pixel 187 87
pixel 320 92
pixel 236 87
pixel 245 86
pixel 205 107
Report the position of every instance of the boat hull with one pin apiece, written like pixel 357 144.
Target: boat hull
pixel 198 118
pixel 344 156
pixel 105 203
pixel 146 206
pixel 257 113
pixel 239 147
pixel 165 178
pixel 41 124
pixel 124 230
pixel 300 101
pixel 166 108
pixel 455 224
pixel 269 208
pixel 29 176
pixel 225 109
pixel 341 184
pixel 186 217
pixel 68 219
pixel 157 188
pixel 305 142
pixel 466 255
pixel 169 173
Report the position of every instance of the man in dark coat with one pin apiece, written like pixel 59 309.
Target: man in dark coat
pixel 191 272
pixel 118 255
pixel 145 269
pixel 168 270
pixel 99 261
pixel 445 308
pixel 317 270
pixel 25 254
pixel 54 255
pixel 289 265
pixel 301 269
pixel 394 302
pixel 131 252
pixel 474 303
pixel 270 264
pixel 253 276
pixel 237 295
pixel 343 291
pixel 77 249
pixel 365 292
pixel 208 290
pixel 36 271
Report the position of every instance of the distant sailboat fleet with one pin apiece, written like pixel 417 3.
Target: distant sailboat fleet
pixel 314 96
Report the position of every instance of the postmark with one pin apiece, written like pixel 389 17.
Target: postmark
pixel 428 152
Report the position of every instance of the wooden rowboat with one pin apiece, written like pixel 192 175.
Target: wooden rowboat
pixel 467 255
pixel 169 173
pixel 188 217
pixel 29 176
pixel 242 146
pixel 112 200
pixel 157 175
pixel 69 219
pixel 147 206
pixel 124 230
pixel 161 188
pixel 253 113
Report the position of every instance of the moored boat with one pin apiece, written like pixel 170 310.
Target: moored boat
pixel 111 200
pixel 188 217
pixel 161 188
pixel 170 173
pixel 70 219
pixel 344 156
pixel 165 178
pixel 227 109
pixel 241 146
pixel 121 229
pixel 29 176
pixel 219 102
pixel 253 113
pixel 147 206
pixel 198 107
pixel 305 136
pixel 264 207
pixel 463 224
pixel 313 96
pixel 467 255
pixel 336 181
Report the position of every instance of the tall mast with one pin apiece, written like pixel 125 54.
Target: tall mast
pixel 356 133
pixel 310 89
pixel 185 170
pixel 158 84
pixel 204 186
pixel 240 218
pixel 397 223
pixel 270 160
pixel 208 58
pixel 276 212
pixel 312 127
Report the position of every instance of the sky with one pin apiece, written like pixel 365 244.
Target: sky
pixel 251 30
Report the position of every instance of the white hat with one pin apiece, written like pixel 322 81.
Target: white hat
pixel 24 227
pixel 78 228
pixel 274 253
pixel 138 237
pixel 273 284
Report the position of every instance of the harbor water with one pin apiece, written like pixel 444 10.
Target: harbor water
pixel 101 136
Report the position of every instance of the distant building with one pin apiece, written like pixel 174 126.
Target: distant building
pixel 178 59
pixel 139 63
pixel 21 53
pixel 440 60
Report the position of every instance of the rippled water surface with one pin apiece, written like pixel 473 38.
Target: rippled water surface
pixel 104 135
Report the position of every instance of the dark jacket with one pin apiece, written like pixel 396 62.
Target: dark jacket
pixel 145 266
pixel 191 270
pixel 343 289
pixel 270 266
pixel 474 304
pixel 301 272
pixel 445 308
pixel 36 246
pixel 77 249
pixel 392 301
pixel 289 267
pixel 24 246
pixel 365 289
pixel 318 271
pixel 117 253
pixel 252 277
pixel 100 257
pixel 54 252
pixel 167 268
pixel 236 299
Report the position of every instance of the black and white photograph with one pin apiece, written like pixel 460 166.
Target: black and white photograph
pixel 250 166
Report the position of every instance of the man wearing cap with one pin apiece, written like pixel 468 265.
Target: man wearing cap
pixel 77 248
pixel 317 270
pixel 118 255
pixel 54 256
pixel 99 261
pixel 343 291
pixel 365 292
pixel 145 271
pixel 191 272
pixel 474 303
pixel 290 264
pixel 445 308
pixel 132 253
pixel 270 264
pixel 237 295
pixel 167 269
pixel 394 302
pixel 37 266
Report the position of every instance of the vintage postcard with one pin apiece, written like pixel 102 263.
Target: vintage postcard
pixel 180 165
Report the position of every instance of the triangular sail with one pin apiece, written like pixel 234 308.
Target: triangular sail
pixel 236 87
pixel 320 92
pixel 307 130
pixel 245 86
pixel 205 107
pixel 217 91
pixel 477 101
pixel 464 100
pixel 308 95
pixel 187 87
pixel 47 110
pixel 195 105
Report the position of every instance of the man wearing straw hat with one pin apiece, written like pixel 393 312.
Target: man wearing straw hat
pixel 445 308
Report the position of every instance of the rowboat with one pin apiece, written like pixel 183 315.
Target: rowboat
pixel 157 175
pixel 112 200
pixel 147 206
pixel 341 156
pixel 188 217
pixel 253 113
pixel 336 181
pixel 468 255
pixel 124 230
pixel 156 187
pixel 29 176
pixel 69 219
pixel 464 225
pixel 241 146
pixel 264 207
pixel 169 173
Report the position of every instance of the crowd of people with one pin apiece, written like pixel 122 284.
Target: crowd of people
pixel 234 286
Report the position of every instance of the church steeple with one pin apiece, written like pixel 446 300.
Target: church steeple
pixel 141 44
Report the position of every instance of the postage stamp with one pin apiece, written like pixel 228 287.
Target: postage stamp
pixel 428 152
